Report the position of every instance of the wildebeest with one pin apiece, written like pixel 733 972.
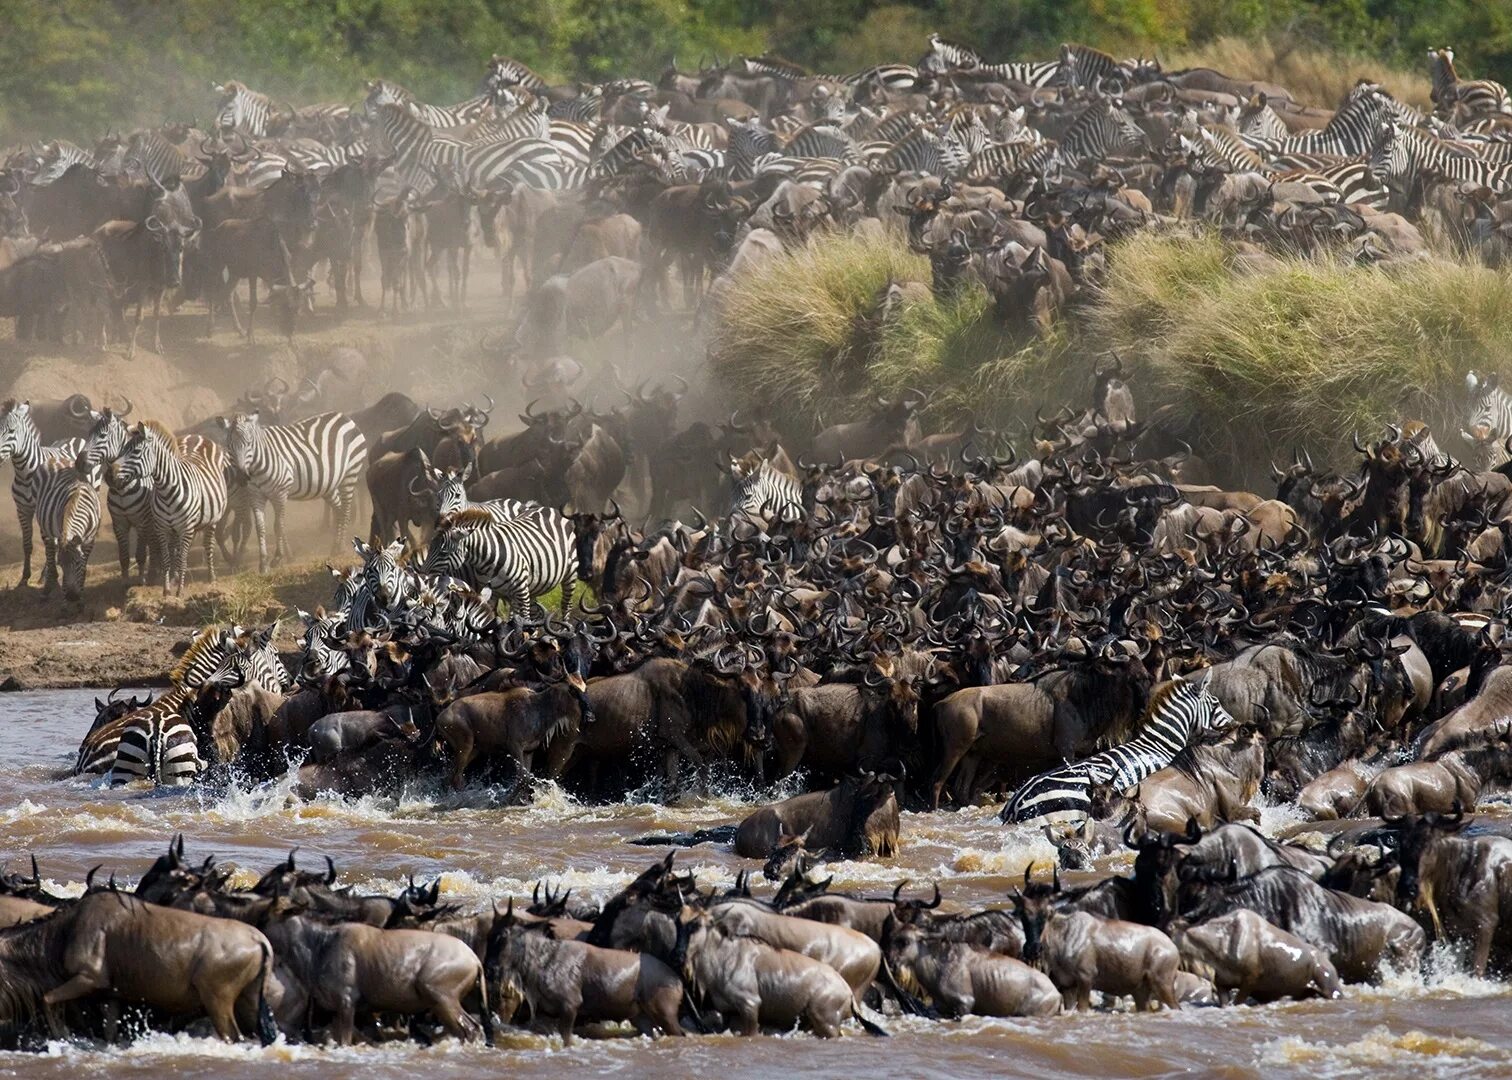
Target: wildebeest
pixel 109 943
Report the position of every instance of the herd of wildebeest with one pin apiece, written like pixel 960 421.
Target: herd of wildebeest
pixel 1086 627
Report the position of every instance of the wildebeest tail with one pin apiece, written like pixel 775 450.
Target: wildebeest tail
pixel 869 1020
pixel 485 1014
pixel 721 834
pixel 267 1027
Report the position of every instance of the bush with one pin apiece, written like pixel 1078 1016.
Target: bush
pixel 1293 350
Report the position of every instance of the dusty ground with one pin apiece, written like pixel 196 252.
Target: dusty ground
pixel 114 635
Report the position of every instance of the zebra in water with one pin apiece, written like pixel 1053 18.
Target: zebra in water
pixel 763 492
pixel 68 516
pixel 321 457
pixel 160 741
pixel 21 444
pixel 1179 711
pixel 186 482
pixel 1489 421
pixel 519 559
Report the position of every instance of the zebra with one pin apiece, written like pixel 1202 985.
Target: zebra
pixel 451 495
pixel 186 488
pixel 383 92
pixel 504 72
pixel 162 742
pixel 519 559
pixel 949 56
pixel 68 516
pixel 938 152
pixel 247 111
pixel 762 491
pixel 1178 711
pixel 1349 133
pixel 321 647
pixel 321 457
pixel 1468 98
pixel 1353 183
pixel 1489 421
pixel 1404 155
pixel 21 444
pixel 130 503
pixel 1102 130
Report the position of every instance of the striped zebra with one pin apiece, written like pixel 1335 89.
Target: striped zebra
pixel 321 457
pixel 762 492
pixel 129 502
pixel 162 742
pixel 949 56
pixel 68 517
pixel 186 482
pixel 383 92
pixel 504 72
pixel 322 646
pixel 1354 183
pixel 1489 420
pixel 56 158
pixel 21 444
pixel 926 150
pixel 1036 74
pixel 519 559
pixel 247 111
pixel 1405 156
pixel 1102 130
pixel 1459 99
pixel 1349 133
pixel 450 488
pixel 1179 710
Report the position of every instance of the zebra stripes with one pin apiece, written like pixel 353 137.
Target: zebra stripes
pixel 1489 419
pixel 21 444
pixel 187 494
pixel 1102 130
pixel 763 492
pixel 1178 711
pixel 130 502
pixel 159 742
pixel 451 496
pixel 519 559
pixel 1460 99
pixel 322 457
pixel 245 110
pixel 68 516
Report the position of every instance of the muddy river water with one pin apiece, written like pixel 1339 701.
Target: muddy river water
pixel 1452 1025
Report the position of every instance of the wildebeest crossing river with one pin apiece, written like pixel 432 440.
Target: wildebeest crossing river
pixel 1452 1025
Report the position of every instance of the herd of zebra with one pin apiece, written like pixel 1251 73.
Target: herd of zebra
pixel 1014 171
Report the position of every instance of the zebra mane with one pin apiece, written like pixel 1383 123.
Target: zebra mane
pixel 1164 693
pixel 464 518
pixel 160 430
pixel 208 640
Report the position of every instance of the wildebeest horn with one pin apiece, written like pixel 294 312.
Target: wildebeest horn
pixel 330 878
pixel 78 405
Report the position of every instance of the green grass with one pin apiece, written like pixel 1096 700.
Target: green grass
pixel 1246 355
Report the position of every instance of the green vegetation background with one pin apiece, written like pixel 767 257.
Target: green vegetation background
pixel 69 66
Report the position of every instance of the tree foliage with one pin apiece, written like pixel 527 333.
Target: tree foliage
pixel 70 67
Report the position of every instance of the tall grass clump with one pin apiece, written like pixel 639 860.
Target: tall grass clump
pixel 1314 76
pixel 792 334
pixel 801 336
pixel 1295 350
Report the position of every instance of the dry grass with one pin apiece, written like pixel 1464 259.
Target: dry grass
pixel 1299 351
pixel 1314 76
